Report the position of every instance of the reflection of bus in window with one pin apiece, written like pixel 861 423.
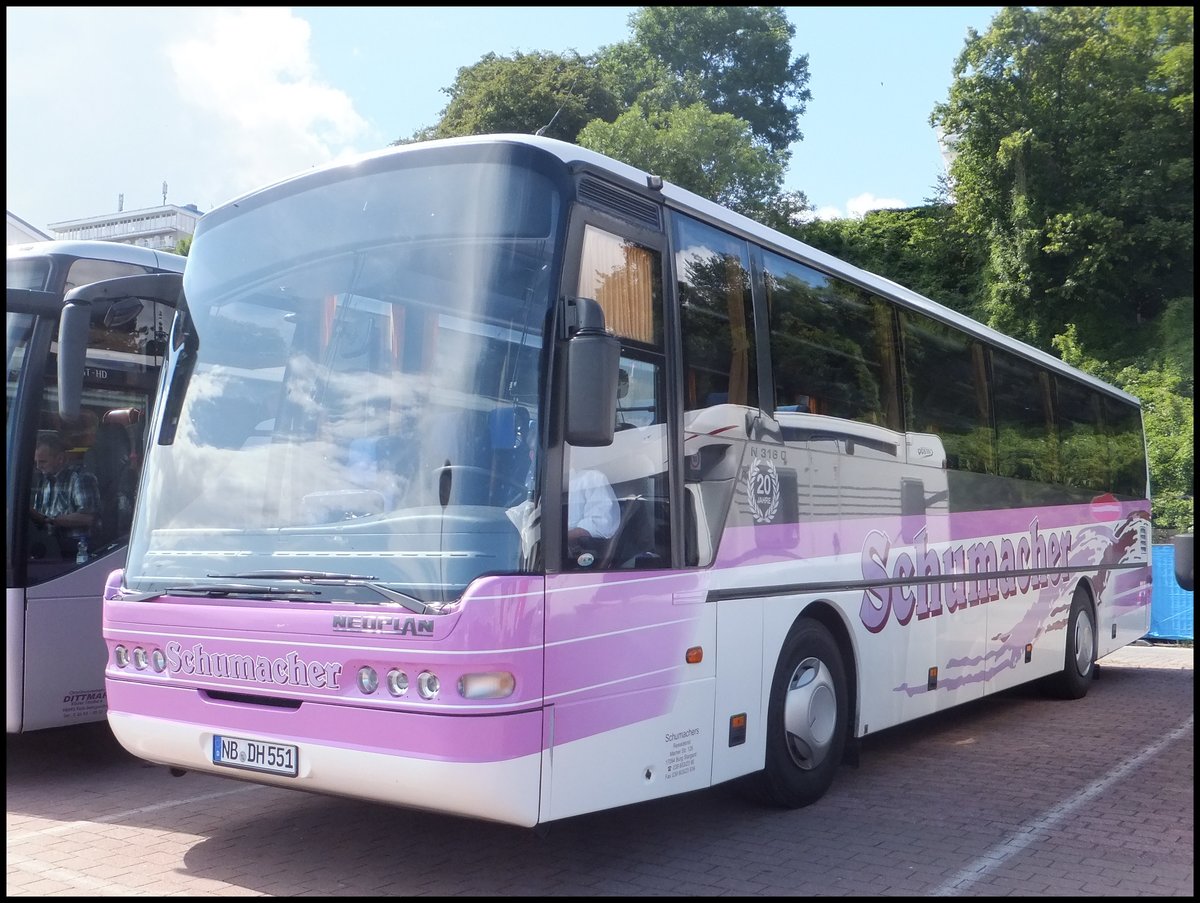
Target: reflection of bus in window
pixel 54 672
pixel 501 468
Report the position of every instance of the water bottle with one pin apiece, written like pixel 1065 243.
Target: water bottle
pixel 81 556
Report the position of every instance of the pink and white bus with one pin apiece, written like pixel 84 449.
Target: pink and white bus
pixel 494 477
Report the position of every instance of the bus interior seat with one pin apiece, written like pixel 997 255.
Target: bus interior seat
pixel 632 543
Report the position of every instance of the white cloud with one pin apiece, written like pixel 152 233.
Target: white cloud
pixel 256 101
pixel 864 203
pixel 856 208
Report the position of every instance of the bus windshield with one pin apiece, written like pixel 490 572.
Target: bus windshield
pixel 361 392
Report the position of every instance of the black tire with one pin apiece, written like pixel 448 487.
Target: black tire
pixel 806 720
pixel 1079 658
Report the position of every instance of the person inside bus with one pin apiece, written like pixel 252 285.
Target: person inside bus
pixel 66 499
pixel 593 515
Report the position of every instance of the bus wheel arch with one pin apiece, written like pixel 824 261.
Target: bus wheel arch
pixel 808 714
pixel 1080 648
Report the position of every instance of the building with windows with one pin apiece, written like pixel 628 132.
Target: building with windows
pixel 158 228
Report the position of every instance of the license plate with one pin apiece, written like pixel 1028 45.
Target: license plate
pixel 256 755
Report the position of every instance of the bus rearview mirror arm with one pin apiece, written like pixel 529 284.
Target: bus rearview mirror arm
pixel 102 298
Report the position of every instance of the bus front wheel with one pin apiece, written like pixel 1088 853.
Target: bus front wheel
pixel 1079 660
pixel 806 720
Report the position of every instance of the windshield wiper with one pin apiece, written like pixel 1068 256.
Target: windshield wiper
pixel 292 575
pixel 219 590
pixel 412 603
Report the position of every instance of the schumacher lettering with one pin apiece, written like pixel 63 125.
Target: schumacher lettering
pixel 987 571
pixel 290 670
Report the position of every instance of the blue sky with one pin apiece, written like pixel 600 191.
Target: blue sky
pixel 217 101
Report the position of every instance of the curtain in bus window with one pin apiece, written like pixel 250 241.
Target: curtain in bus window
pixel 718 322
pixel 623 278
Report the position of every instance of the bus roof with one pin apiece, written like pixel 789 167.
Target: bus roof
pixel 101 250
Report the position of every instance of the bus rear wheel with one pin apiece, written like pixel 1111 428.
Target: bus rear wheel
pixel 1079 660
pixel 806 720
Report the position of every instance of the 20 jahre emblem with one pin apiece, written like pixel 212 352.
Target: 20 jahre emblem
pixel 762 490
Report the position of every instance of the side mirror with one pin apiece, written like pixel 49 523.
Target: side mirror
pixel 1184 563
pixel 593 359
pixel 117 301
pixel 74 326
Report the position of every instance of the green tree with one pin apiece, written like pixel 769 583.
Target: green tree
pixel 922 248
pixel 712 154
pixel 527 92
pixel 733 59
pixel 707 97
pixel 1074 163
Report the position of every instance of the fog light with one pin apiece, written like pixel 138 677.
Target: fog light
pixel 121 656
pixel 491 685
pixel 140 659
pixel 368 680
pixel 428 685
pixel 159 660
pixel 397 682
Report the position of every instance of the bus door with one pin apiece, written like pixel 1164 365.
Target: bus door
pixel 615 673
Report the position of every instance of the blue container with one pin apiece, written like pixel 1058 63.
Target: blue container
pixel 1172 608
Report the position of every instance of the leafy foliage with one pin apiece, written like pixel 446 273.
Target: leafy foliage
pixel 710 153
pixel 524 93
pixel 709 97
pixel 922 248
pixel 1073 130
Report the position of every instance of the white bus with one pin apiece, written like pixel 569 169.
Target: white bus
pixel 494 477
pixel 54 666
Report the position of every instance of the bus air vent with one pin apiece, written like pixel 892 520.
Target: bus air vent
pixel 617 200
pixel 250 699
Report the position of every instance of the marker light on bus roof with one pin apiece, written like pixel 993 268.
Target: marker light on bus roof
pixel 489 685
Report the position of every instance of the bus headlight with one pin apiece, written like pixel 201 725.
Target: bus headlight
pixel 428 685
pixel 140 659
pixel 490 685
pixel 368 680
pixel 397 682
pixel 121 656
pixel 159 660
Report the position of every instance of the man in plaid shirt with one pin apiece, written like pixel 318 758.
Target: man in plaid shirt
pixel 66 500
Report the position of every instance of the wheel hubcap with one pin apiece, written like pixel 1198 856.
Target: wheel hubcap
pixel 1085 640
pixel 810 713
